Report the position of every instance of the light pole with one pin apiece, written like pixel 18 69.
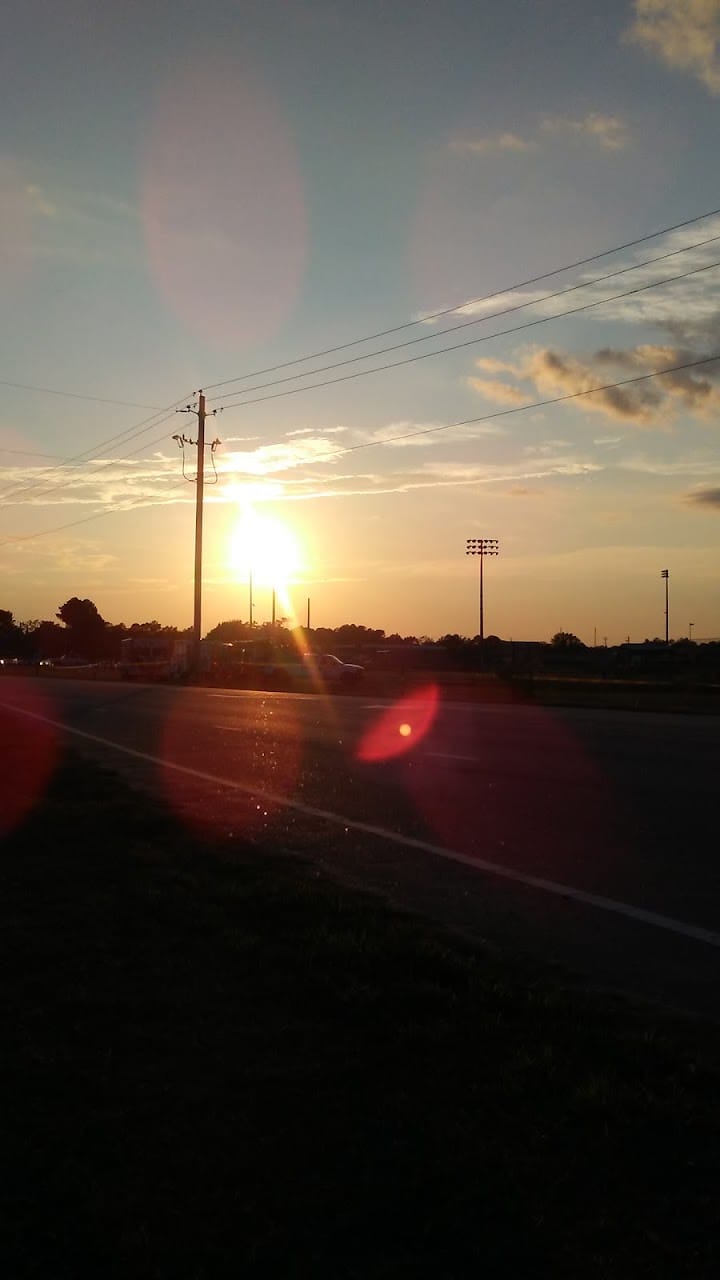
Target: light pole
pixel 665 573
pixel 690 627
pixel 482 547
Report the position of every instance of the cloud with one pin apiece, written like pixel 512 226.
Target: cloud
pixel 609 132
pixel 491 142
pixel 40 202
pixel 684 34
pixel 646 404
pixel 63 224
pixel 308 431
pixel 274 458
pixel 650 286
pixel 696 465
pixel 106 484
pixel 704 498
pixel 500 392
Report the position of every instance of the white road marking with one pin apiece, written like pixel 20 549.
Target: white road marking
pixel 696 932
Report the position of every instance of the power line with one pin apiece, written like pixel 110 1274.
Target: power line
pixel 88 455
pixel 36 484
pixel 465 324
pixel 32 453
pixel 457 346
pixel 76 395
pixel 437 315
pixel 148 424
pixel 105 465
pixel 97 515
pixel 426 431
pixel 521 408
pixel 71 524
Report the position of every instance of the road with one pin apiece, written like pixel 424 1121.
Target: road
pixel 585 838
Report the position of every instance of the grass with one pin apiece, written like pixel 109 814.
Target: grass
pixel 219 1064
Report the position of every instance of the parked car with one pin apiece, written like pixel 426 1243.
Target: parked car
pixel 332 670
pixel 315 671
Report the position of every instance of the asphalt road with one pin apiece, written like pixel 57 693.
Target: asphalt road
pixel 585 838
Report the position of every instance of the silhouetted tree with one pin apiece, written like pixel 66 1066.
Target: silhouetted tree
pixel 153 628
pixel 47 639
pixel 566 640
pixel 231 632
pixel 88 631
pixel 13 642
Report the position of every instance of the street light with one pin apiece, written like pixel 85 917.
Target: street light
pixel 481 547
pixel 665 573
pixel 690 627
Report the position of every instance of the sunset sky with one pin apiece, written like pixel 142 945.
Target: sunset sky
pixel 194 194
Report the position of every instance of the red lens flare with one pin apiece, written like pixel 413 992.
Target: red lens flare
pixel 523 790
pixel 28 751
pixel 401 727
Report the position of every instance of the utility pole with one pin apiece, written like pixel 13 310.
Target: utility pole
pixel 308 613
pixel 273 606
pixel 199 494
pixel 665 573
pixel 201 414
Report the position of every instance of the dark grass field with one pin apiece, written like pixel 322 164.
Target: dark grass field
pixel 214 1063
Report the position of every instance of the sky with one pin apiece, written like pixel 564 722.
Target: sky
pixel 195 195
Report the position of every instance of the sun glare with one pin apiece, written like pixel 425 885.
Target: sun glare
pixel 265 547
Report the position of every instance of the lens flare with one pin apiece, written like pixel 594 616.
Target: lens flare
pixel 222 203
pixel 401 727
pixel 19 204
pixel 28 751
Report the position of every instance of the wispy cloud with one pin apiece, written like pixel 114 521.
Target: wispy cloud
pixel 310 431
pixel 105 484
pixel 489 143
pixel 679 303
pixel 695 465
pixel 498 392
pixel 44 221
pixel 609 132
pixel 684 34
pixel 274 472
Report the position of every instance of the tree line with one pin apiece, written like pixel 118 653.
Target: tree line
pixel 79 631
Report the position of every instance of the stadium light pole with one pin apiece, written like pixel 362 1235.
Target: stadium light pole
pixel 665 573
pixel 482 547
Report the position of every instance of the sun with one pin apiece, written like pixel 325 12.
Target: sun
pixel 264 547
